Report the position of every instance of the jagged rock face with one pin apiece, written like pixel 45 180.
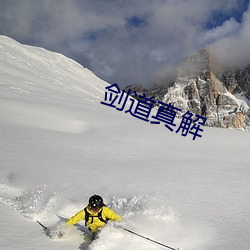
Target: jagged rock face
pixel 138 88
pixel 198 90
pixel 157 91
pixel 237 81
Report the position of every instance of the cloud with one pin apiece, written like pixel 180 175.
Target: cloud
pixel 228 28
pixel 124 41
pixel 233 49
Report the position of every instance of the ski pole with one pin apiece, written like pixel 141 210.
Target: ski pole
pixel 45 228
pixel 146 238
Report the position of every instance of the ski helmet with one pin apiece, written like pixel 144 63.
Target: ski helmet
pixel 95 202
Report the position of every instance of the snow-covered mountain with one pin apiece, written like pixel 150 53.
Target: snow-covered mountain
pixel 197 89
pixel 220 97
pixel 59 145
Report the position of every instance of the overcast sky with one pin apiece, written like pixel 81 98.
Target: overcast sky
pixel 131 41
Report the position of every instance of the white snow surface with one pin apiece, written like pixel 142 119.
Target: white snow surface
pixel 60 145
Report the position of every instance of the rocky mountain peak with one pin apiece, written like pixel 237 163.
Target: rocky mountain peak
pixel 197 64
pixel 198 89
pixel 237 81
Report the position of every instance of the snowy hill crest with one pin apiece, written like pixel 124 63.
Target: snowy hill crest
pixel 31 73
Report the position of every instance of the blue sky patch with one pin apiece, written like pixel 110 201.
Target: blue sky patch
pixel 136 21
pixel 219 17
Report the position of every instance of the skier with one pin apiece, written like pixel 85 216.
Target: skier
pixel 95 214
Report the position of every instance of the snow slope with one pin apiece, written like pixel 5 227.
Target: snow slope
pixel 59 146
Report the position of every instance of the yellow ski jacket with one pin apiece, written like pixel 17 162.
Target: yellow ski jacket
pixel 94 223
